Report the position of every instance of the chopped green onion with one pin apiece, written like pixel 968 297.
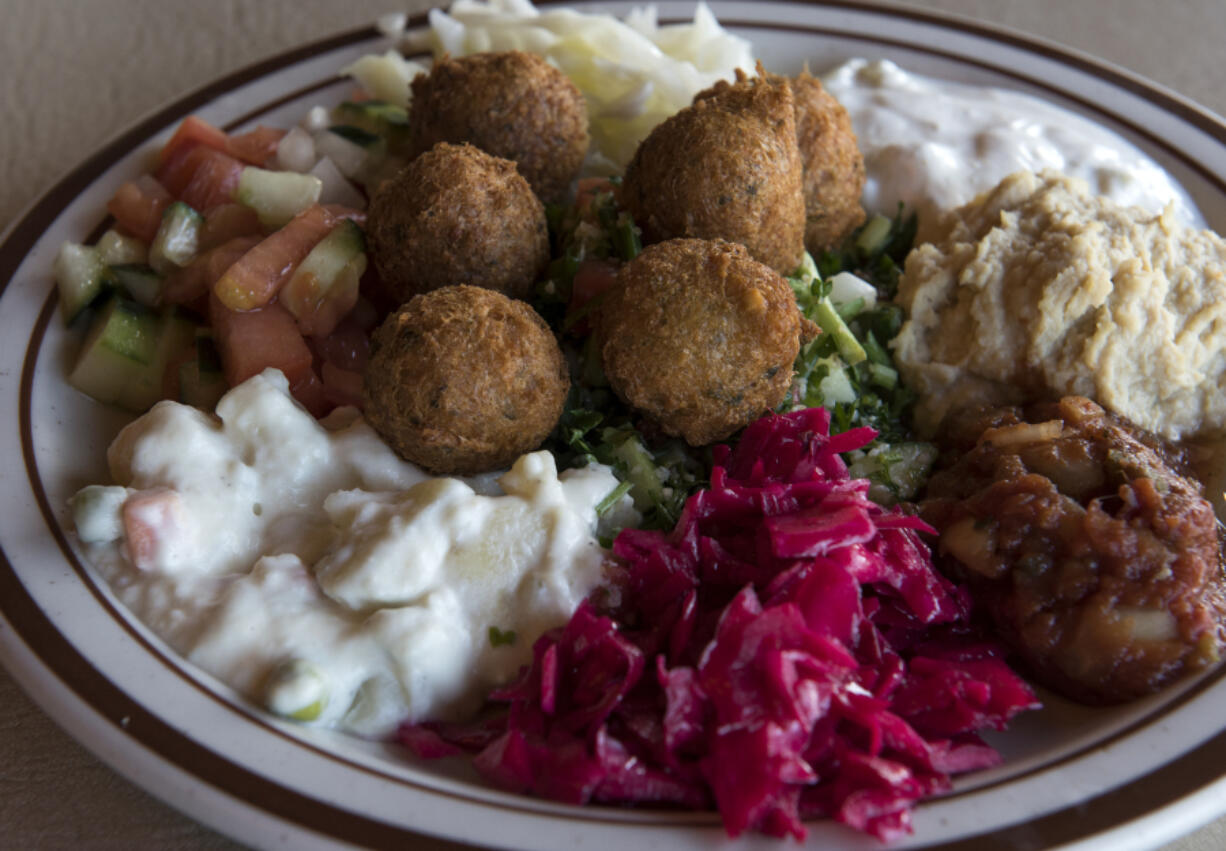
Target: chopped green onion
pixel 614 497
pixel 831 323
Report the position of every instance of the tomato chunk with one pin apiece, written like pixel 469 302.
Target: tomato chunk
pixel 193 281
pixel 251 341
pixel 151 520
pixel 138 208
pixel 592 279
pixel 255 147
pixel 226 222
pixel 254 280
pixel 192 132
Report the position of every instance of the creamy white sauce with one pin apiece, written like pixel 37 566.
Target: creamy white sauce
pixel 311 569
pixel 934 145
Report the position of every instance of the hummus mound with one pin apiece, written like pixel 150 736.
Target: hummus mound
pixel 1039 289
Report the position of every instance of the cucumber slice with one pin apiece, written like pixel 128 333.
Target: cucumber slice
pixel 276 196
pixel 126 353
pixel 379 117
pixel 177 239
pixel 324 287
pixel 116 360
pixel 115 248
pixel 138 280
pixel 873 235
pixel 201 381
pixel 80 276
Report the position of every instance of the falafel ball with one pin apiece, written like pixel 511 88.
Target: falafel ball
pixel 462 380
pixel 832 166
pixel 513 105
pixel 726 167
pixel 457 215
pixel 700 337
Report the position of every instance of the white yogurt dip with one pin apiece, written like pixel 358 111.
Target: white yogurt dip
pixel 934 145
pixel 307 566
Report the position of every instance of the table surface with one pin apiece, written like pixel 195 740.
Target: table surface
pixel 77 72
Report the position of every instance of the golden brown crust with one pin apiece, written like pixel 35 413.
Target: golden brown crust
pixel 831 162
pixel 457 215
pixel 463 380
pixel 726 167
pixel 700 337
pixel 511 104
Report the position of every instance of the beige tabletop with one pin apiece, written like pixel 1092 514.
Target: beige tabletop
pixel 77 71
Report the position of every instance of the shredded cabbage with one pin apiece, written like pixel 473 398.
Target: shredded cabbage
pixel 787 650
pixel 633 72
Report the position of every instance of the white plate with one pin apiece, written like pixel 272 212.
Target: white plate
pixel 1126 778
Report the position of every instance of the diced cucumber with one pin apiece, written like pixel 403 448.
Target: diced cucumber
pixel 115 362
pixel 357 135
pixel 80 276
pixel 379 117
pixel 96 513
pixel 831 323
pixel 873 236
pixel 138 280
pixel 177 239
pixel 343 244
pixel 276 196
pixel 114 248
pixel 126 352
pixel 324 287
pixel 640 470
pixel 201 382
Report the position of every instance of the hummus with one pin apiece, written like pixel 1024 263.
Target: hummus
pixel 1039 288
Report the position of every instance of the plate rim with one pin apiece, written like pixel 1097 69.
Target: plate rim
pixel 27 227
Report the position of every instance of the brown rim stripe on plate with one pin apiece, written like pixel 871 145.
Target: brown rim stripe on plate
pixel 47 209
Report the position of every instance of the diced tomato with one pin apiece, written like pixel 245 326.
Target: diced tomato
pixel 214 178
pixel 138 209
pixel 150 519
pixel 200 176
pixel 192 132
pixel 586 190
pixel 256 146
pixel 186 285
pixel 342 386
pixel 251 341
pixel 592 279
pixel 226 222
pixel 311 394
pixel 347 347
pixel 254 281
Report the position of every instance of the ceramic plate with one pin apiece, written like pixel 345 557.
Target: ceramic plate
pixel 1125 778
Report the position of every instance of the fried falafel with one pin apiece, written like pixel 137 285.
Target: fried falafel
pixel 832 166
pixel 462 380
pixel 700 337
pixel 457 215
pixel 511 104
pixel 727 167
